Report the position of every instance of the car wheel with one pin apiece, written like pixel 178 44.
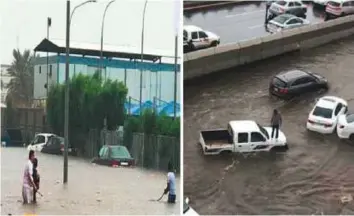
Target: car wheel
pixel 225 153
pixel 214 44
pixel 351 138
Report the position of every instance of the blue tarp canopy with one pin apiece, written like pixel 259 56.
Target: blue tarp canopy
pixel 165 108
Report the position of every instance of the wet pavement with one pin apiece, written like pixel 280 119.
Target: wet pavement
pixel 310 178
pixel 234 23
pixel 91 189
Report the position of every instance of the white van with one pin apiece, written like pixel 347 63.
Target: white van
pixel 336 8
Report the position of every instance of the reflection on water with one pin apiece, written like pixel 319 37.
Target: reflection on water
pixel 311 178
pixel 91 189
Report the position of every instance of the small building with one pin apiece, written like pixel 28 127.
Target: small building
pixel 5 80
pixel 158 71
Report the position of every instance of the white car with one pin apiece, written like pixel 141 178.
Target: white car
pixel 195 38
pixel 324 116
pixel 345 127
pixel 187 210
pixel 321 2
pixel 39 141
pixel 336 8
pixel 285 21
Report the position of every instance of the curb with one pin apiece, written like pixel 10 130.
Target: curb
pixel 199 7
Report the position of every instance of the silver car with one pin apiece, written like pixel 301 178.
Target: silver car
pixel 294 7
pixel 285 21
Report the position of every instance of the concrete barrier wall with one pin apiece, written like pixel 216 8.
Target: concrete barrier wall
pixel 226 56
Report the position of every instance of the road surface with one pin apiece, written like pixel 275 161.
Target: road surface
pixel 91 189
pixel 310 178
pixel 235 23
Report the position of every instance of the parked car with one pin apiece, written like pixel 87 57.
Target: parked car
pixel 324 116
pixel 345 127
pixel 337 8
pixel 55 145
pixel 187 210
pixel 114 155
pixel 195 38
pixel 285 21
pixel 296 82
pixel 240 136
pixel 294 7
pixel 39 141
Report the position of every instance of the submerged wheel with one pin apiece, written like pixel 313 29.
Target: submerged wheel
pixel 351 138
pixel 225 153
pixel 279 148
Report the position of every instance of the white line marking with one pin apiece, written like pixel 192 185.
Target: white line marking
pixel 256 26
pixel 245 13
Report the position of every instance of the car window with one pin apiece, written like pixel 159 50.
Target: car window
pixel 299 20
pixel 338 109
pixel 278 82
pixel 346 4
pixel 119 152
pixel 299 81
pixel 103 152
pixel 298 4
pixel 257 137
pixel 39 139
pixel 50 141
pixel 202 34
pixel 282 3
pixel 322 112
pixel 185 34
pixel 350 118
pixel 308 79
pixel 243 138
pixel 281 19
pixel 194 35
pixel 291 4
pixel 292 21
pixel 334 4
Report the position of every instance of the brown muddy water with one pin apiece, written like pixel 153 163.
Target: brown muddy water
pixel 310 178
pixel 91 189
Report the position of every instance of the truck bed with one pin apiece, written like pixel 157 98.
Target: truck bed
pixel 216 138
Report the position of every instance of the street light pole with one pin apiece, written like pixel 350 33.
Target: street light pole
pixel 49 23
pixel 142 58
pixel 66 105
pixel 102 28
pixel 175 87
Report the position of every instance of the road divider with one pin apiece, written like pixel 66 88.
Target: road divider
pixel 191 6
pixel 207 61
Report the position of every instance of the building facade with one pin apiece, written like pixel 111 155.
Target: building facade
pixel 5 79
pixel 157 83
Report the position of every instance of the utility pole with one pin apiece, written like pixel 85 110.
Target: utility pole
pixel 175 87
pixel 142 59
pixel 49 23
pixel 66 108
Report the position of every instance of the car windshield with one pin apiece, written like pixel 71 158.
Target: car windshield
pixel 120 152
pixel 323 112
pixel 185 207
pixel 264 131
pixel 281 19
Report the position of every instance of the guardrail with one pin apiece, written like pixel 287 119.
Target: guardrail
pixel 207 61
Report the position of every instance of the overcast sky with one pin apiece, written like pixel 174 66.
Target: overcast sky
pixel 23 24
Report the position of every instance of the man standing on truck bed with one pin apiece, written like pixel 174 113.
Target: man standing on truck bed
pixel 276 122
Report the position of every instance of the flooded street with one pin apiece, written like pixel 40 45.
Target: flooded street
pixel 91 189
pixel 310 178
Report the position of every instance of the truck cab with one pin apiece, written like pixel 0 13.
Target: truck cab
pixel 195 38
pixel 241 136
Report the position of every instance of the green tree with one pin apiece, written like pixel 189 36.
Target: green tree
pixel 20 87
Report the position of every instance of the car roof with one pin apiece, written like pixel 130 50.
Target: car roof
pixel 244 126
pixel 330 102
pixel 45 134
pixel 192 28
pixel 292 75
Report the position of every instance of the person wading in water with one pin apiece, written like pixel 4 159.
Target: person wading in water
pixel 171 184
pixel 28 186
pixel 275 122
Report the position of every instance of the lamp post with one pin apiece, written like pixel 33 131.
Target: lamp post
pixel 49 24
pixel 102 28
pixel 142 58
pixel 66 108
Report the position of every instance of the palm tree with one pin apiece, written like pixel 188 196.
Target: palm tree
pixel 20 87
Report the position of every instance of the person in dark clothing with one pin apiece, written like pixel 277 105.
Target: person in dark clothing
pixel 268 4
pixel 275 122
pixel 36 178
pixel 171 184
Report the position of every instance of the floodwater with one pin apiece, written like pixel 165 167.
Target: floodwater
pixel 310 178
pixel 91 189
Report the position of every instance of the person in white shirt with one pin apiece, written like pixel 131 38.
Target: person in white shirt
pixel 171 184
pixel 28 184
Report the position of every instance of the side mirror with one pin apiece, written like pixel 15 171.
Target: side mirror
pixel 187 200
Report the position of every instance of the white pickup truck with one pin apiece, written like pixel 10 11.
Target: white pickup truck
pixel 195 38
pixel 241 136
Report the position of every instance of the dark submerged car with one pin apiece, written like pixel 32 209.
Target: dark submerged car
pixel 295 83
pixel 55 145
pixel 114 155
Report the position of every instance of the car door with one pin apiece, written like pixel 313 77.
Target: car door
pixel 337 112
pixel 105 160
pixel 346 7
pixel 291 7
pixel 204 39
pixel 298 86
pixel 258 142
pixel 195 40
pixel 47 146
pixel 298 8
pixel 242 142
pixel 351 6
